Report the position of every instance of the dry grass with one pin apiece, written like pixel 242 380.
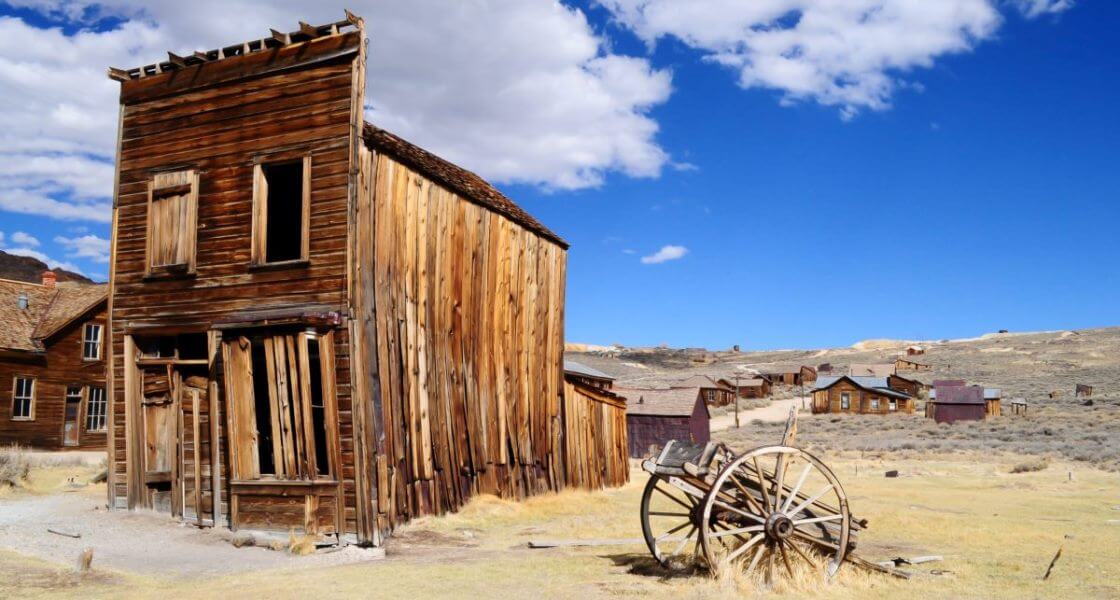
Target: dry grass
pixel 997 532
pixel 14 466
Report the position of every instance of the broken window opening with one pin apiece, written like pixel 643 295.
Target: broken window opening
pixel 318 408
pixel 263 406
pixel 282 194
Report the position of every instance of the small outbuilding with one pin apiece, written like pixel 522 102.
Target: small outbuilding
pixel 596 454
pixel 992 398
pixel 859 395
pixel 949 404
pixel 915 350
pixel 653 417
pixel 1018 406
pixel 1084 391
pixel 753 387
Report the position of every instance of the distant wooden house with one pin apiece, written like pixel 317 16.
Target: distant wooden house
pixel 752 387
pixel 905 364
pixel 714 392
pixel 871 369
pixel 653 417
pixel 791 375
pixel 949 404
pixel 948 382
pixel 52 364
pixel 912 387
pixel 859 395
pixel 824 369
pixel 586 375
pixel 1018 406
pixel 915 350
pixel 1083 391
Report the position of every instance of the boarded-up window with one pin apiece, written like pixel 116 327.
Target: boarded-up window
pixel 281 211
pixel 23 398
pixel 91 342
pixel 95 409
pixel 172 222
pixel 282 411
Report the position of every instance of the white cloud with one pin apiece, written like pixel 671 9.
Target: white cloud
pixel 24 239
pixel 851 54
pixel 519 91
pixel 666 253
pixel 1037 8
pixel 86 246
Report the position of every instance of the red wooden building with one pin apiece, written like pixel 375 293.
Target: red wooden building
pixel 653 417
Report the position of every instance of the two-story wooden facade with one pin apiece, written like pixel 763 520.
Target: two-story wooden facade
pixel 316 324
pixel 52 364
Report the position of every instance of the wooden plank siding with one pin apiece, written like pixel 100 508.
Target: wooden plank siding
pixel 469 342
pixel 595 442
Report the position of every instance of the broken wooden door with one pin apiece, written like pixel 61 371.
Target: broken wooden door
pixel 160 440
pixel 283 424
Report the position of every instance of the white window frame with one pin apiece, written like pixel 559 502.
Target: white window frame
pixel 99 415
pixel 875 404
pixel 892 405
pixel 29 398
pixel 845 401
pixel 95 340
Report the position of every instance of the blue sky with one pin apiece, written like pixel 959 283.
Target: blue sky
pixel 902 190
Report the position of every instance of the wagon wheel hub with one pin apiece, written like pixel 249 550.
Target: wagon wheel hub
pixel 779 526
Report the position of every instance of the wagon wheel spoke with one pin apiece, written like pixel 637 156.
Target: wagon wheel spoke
pixel 757 557
pixel 797 548
pixel 684 542
pixel 674 498
pixel 762 485
pixel 666 511
pixel 797 487
pixel 666 535
pixel 736 553
pixel 746 494
pixel 785 558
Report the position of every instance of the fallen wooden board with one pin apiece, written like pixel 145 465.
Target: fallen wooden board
pixel 65 533
pixel 917 560
pixel 538 544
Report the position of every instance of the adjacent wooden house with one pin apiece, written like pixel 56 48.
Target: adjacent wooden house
pixel 912 387
pixel 859 395
pixel 791 375
pixel 52 364
pixel 595 434
pixel 715 393
pixel 992 397
pixel 653 417
pixel 317 325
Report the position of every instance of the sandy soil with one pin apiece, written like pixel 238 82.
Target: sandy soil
pixel 776 412
pixel 138 542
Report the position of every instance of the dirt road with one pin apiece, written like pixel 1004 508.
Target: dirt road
pixel 777 412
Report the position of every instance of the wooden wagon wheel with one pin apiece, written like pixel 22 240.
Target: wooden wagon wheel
pixel 670 517
pixel 775 506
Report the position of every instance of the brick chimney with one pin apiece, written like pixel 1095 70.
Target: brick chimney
pixel 49 279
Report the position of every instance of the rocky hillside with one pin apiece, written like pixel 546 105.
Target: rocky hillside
pixel 30 269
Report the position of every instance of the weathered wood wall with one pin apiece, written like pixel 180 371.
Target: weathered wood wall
pixel 828 401
pixel 596 451
pixel 60 368
pixel 469 342
pixel 218 119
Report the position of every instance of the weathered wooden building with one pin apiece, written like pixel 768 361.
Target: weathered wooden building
pixel 316 324
pixel 596 451
pixel 949 404
pixel 751 387
pixel 992 397
pixel 715 393
pixel 906 364
pixel 653 417
pixel 1083 391
pixel 859 395
pixel 52 364
pixel 912 387
pixel 574 371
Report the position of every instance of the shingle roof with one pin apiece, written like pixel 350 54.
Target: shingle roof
pixel 455 178
pixel 571 366
pixel 48 310
pixel 989 393
pixel 871 384
pixel 674 402
pixel 871 369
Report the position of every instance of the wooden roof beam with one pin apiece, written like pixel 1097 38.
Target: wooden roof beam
pixel 283 38
pixel 177 60
pixel 309 30
pixel 118 74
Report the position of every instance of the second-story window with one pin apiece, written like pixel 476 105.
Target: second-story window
pixel 91 341
pixel 281 211
pixel 172 222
